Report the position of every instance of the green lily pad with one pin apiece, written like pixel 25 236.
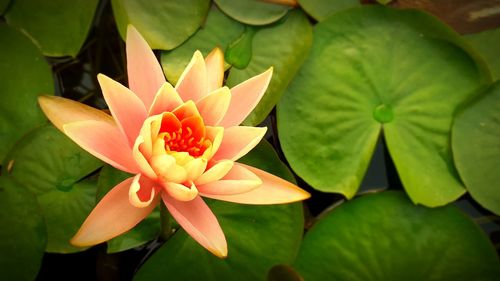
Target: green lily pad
pixel 23 236
pixel 145 231
pixel 487 43
pixel 218 31
pixel 476 148
pixel 283 46
pixel 258 237
pixel 354 85
pixel 54 168
pixel 25 75
pixel 58 27
pixel 252 12
pixel 321 9
pixel 386 237
pixel 164 24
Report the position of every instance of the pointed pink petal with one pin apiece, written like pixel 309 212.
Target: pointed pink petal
pixel 125 106
pixel 141 192
pixel 215 69
pixel 104 141
pixel 61 111
pixel 192 84
pixel 245 97
pixel 145 75
pixel 238 141
pixel 112 216
pixel 199 222
pixel 166 99
pixel 213 106
pixel 273 190
pixel 238 180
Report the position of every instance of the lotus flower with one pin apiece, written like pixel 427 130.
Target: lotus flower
pixel 180 143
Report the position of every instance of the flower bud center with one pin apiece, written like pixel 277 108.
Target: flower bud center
pixel 189 137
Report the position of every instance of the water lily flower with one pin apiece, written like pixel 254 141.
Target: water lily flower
pixel 181 143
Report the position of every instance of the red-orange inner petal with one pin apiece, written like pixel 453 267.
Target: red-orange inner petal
pixel 187 135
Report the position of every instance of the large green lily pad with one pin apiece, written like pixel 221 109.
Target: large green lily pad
pixel 253 12
pixel 386 237
pixel 476 148
pixel 487 43
pixel 25 75
pixel 283 46
pixel 23 236
pixel 54 168
pixel 374 69
pixel 58 27
pixel 218 31
pixel 164 24
pixel 147 230
pixel 321 9
pixel 258 237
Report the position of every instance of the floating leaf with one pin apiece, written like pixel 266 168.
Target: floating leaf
pixel 164 24
pixel 218 31
pixel 54 168
pixel 258 237
pixel 353 85
pixel 487 43
pixel 58 27
pixel 25 75
pixel 23 236
pixel 147 230
pixel 239 52
pixel 321 9
pixel 476 148
pixel 252 12
pixel 385 237
pixel 283 46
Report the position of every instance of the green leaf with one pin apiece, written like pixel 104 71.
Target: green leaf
pixel 406 81
pixel 218 31
pixel 147 230
pixel 258 237
pixel 58 27
pixel 54 168
pixel 164 24
pixel 487 43
pixel 252 12
pixel 476 148
pixel 321 9
pixel 23 236
pixel 25 75
pixel 239 52
pixel 283 46
pixel 385 237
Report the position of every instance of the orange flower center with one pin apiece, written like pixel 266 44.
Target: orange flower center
pixel 187 135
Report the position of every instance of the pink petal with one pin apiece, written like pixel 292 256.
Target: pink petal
pixel 199 222
pixel 112 216
pixel 165 100
pixel 126 108
pixel 213 106
pixel 215 69
pixel 238 180
pixel 104 141
pixel 273 190
pixel 215 172
pixel 141 192
pixel 145 75
pixel 245 97
pixel 61 111
pixel 192 84
pixel 238 141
